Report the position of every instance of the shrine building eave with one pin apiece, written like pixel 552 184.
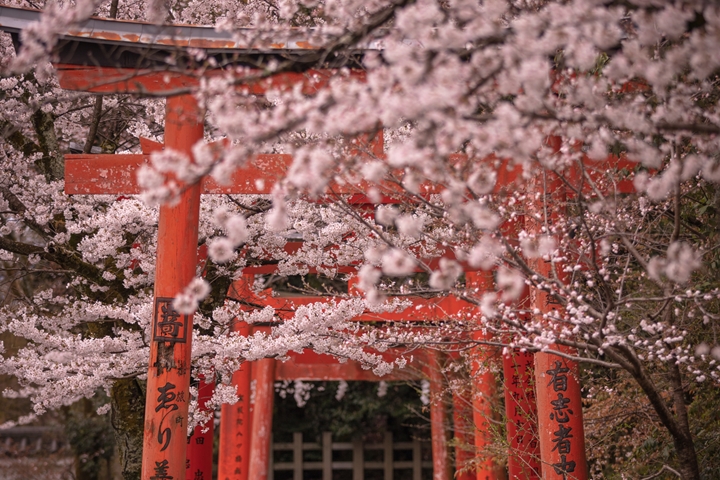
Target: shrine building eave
pixel 129 44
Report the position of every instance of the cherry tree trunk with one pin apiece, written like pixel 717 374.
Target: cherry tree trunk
pixel 127 416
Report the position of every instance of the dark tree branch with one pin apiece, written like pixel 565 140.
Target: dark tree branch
pixel 92 134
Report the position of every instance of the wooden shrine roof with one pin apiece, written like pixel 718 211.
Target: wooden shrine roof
pixel 132 44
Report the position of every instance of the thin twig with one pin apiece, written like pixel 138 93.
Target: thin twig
pixel 664 467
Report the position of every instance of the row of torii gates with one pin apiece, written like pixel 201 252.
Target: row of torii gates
pixel 542 386
pixel 245 431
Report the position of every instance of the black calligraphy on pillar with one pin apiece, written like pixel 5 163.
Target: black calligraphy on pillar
pixel 166 401
pixel 181 367
pixel 561 440
pixel 561 414
pixel 161 471
pixel 551 300
pixel 199 475
pixel 561 409
pixel 239 435
pixel 558 379
pixel 170 326
pixel 521 403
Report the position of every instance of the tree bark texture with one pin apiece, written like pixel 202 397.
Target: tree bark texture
pixel 128 420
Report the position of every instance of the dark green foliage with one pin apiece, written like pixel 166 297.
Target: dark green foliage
pixel 90 436
pixel 705 409
pixel 360 411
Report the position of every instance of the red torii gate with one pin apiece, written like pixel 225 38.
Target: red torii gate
pixel 236 421
pixel 86 174
pixel 559 408
pixel 104 174
pixel 96 174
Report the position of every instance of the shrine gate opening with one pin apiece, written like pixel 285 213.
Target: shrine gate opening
pixel 105 56
pixel 236 422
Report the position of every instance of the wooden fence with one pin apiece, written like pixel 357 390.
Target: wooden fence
pixel 30 440
pixel 413 469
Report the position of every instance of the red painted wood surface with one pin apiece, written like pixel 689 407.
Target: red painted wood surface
pixel 149 146
pixel 236 420
pixel 561 441
pixel 311 366
pixel 559 402
pixel 521 412
pixel 439 430
pixel 235 425
pixel 199 465
pixel 114 174
pixel 92 174
pixel 260 447
pixel 519 391
pixel 166 411
pixel 560 424
pixel 483 382
pixel 163 82
pixel 464 435
pixel 87 174
pixel 421 309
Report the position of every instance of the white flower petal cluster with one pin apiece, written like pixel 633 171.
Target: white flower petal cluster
pixel 568 148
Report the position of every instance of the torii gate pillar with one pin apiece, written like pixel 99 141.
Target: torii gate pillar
pixel 168 385
pixel 483 388
pixel 438 418
pixel 199 463
pixel 260 449
pixel 236 420
pixel 559 400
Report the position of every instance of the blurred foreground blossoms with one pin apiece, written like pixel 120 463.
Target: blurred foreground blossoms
pixel 467 95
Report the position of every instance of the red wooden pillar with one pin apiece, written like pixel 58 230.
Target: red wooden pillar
pixel 463 433
pixel 560 426
pixel 262 419
pixel 438 418
pixel 483 386
pixel 521 412
pixel 200 445
pixel 236 424
pixel 168 381
pixel 236 420
pixel 559 403
pixel 519 389
pixel 199 463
